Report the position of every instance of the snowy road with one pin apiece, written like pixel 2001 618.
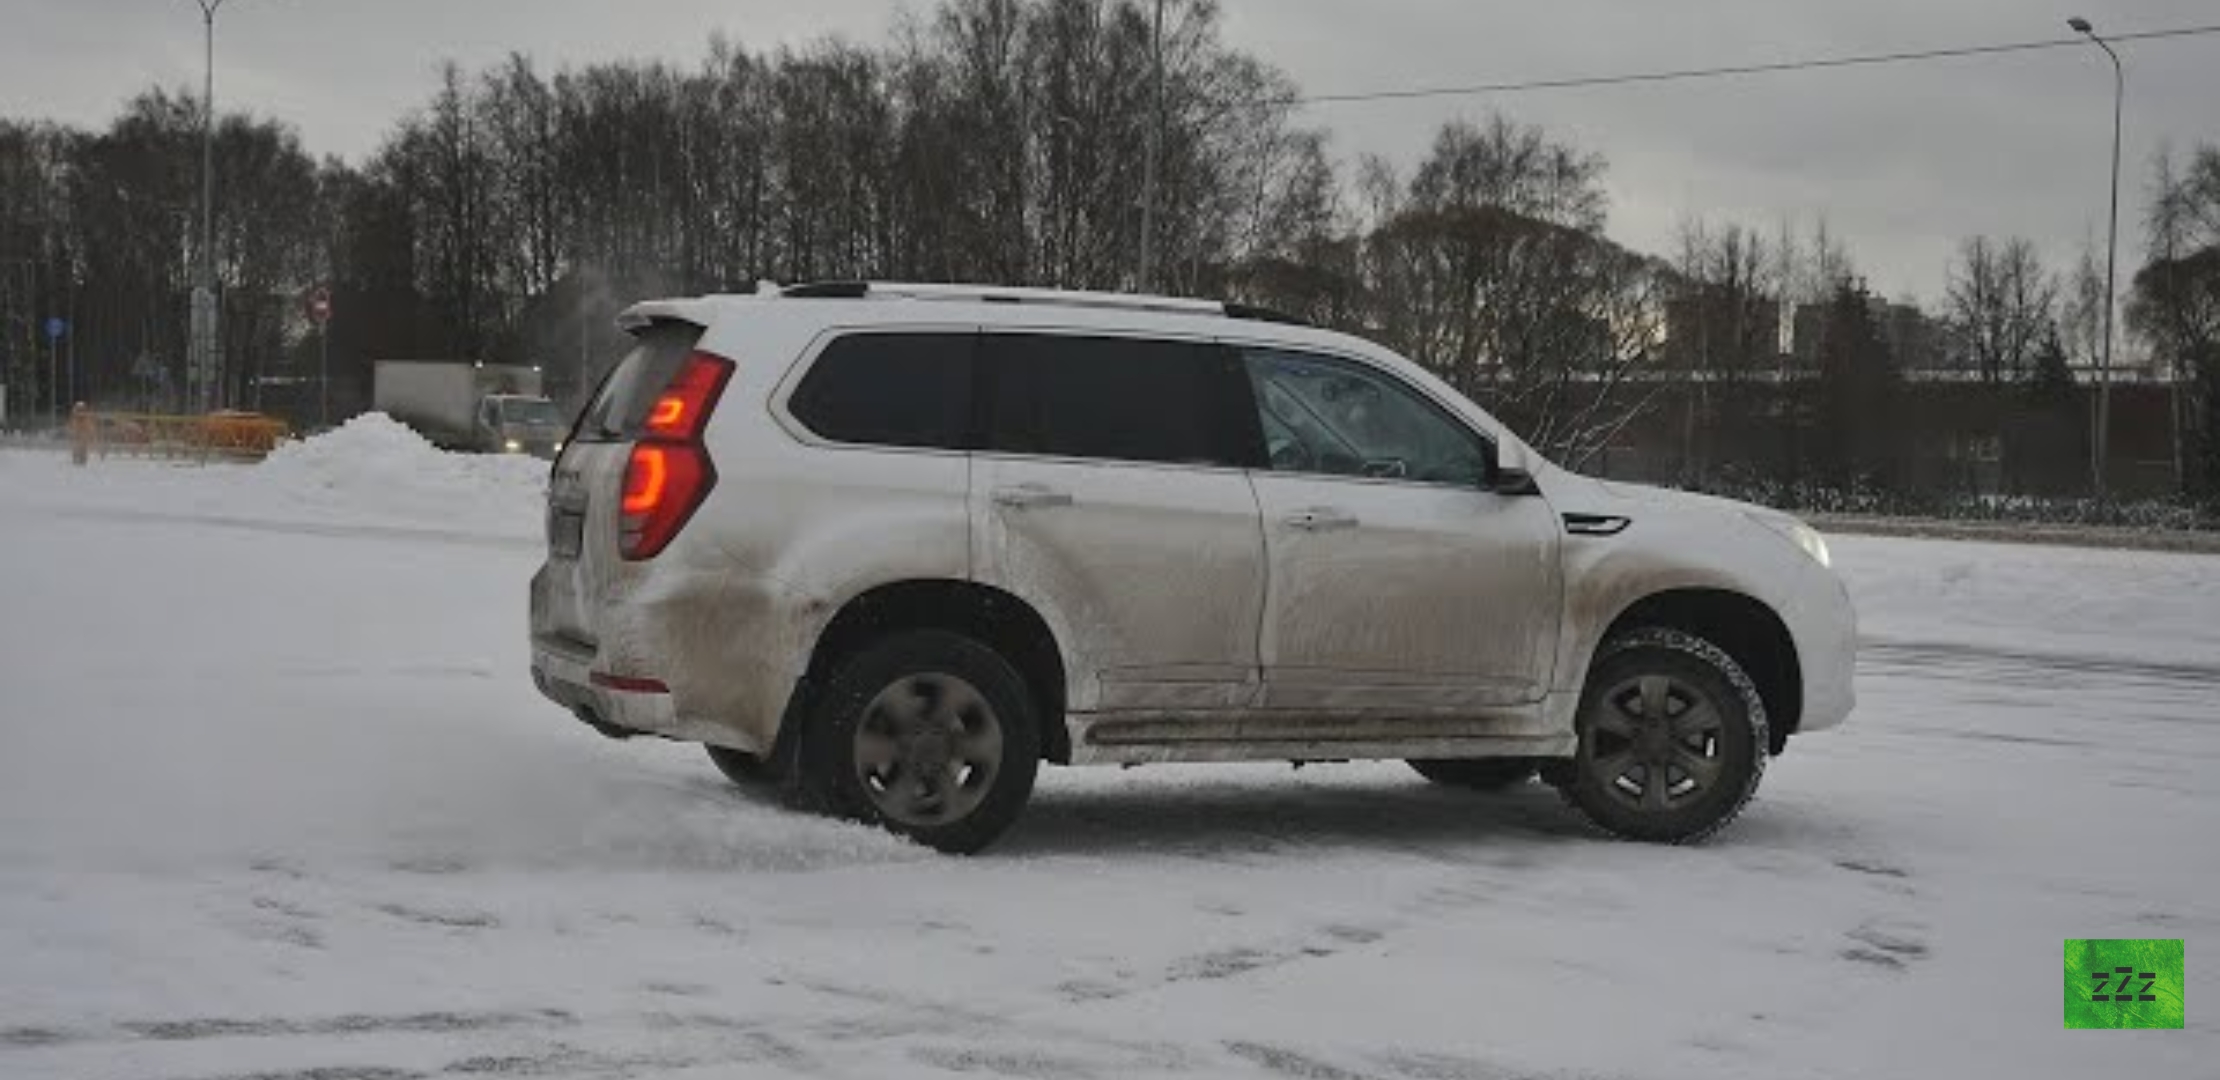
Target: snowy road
pixel 277 801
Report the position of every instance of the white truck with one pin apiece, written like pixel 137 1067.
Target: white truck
pixel 471 405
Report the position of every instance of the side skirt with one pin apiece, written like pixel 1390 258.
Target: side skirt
pixel 1132 739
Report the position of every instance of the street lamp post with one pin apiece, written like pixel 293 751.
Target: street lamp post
pixel 2111 261
pixel 207 339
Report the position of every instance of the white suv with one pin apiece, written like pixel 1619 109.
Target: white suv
pixel 889 547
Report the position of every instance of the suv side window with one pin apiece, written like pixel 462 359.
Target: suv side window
pixel 1114 399
pixel 1337 418
pixel 895 389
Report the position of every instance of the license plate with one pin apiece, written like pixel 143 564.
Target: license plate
pixel 566 534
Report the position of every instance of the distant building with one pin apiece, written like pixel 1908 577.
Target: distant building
pixel 1808 329
pixel 1915 340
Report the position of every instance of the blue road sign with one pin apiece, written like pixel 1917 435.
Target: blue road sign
pixel 57 328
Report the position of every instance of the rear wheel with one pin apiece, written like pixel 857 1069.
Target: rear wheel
pixel 1672 739
pixel 928 734
pixel 1478 774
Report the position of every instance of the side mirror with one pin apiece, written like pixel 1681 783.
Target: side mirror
pixel 1514 482
pixel 1507 477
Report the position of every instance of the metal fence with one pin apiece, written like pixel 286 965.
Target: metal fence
pixel 228 436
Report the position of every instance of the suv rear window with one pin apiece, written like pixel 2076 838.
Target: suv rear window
pixel 1114 399
pixel 897 389
pixel 620 407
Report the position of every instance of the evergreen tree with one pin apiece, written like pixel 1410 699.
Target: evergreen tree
pixel 1854 434
pixel 2053 380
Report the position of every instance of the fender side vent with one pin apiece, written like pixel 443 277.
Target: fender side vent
pixel 1596 524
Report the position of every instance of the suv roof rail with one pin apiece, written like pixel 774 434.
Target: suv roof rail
pixel 828 290
pixel 1254 313
pixel 1000 294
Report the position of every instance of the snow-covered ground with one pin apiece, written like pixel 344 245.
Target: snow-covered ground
pixel 277 800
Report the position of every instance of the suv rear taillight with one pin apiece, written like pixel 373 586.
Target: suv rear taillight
pixel 669 473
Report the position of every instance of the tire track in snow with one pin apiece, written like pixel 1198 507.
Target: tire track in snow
pixel 332 530
pixel 2021 667
pixel 196 1029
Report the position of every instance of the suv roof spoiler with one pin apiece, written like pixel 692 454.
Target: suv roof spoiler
pixel 647 313
pixel 999 294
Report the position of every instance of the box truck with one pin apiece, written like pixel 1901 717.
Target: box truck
pixel 470 405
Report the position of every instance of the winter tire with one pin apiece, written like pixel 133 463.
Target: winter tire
pixel 1672 739
pixel 928 734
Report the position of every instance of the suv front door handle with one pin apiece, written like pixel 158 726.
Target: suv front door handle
pixel 1320 519
pixel 1030 497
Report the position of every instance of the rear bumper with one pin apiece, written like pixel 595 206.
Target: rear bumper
pixel 563 672
pixel 565 676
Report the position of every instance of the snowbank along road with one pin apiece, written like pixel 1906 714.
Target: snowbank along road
pixel 277 800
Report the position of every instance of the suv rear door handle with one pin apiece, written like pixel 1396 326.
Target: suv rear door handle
pixel 1320 519
pixel 1030 497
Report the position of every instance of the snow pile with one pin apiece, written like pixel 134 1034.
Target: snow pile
pixel 375 466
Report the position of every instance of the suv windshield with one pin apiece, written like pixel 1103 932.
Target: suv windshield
pixel 537 412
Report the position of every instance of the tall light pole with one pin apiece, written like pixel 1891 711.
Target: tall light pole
pixel 207 341
pixel 1149 153
pixel 2111 261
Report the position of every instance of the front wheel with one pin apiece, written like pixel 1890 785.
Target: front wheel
pixel 928 734
pixel 1672 739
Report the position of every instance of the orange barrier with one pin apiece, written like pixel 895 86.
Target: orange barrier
pixel 232 436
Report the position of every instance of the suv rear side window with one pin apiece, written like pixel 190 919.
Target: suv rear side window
pixel 898 389
pixel 1115 399
pixel 620 408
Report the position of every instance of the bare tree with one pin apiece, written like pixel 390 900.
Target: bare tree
pixel 1723 330
pixel 2081 308
pixel 1490 266
pixel 2000 305
pixel 2175 304
pixel 93 229
pixel 1726 309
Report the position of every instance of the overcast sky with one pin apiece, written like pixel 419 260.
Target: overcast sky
pixel 1901 160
